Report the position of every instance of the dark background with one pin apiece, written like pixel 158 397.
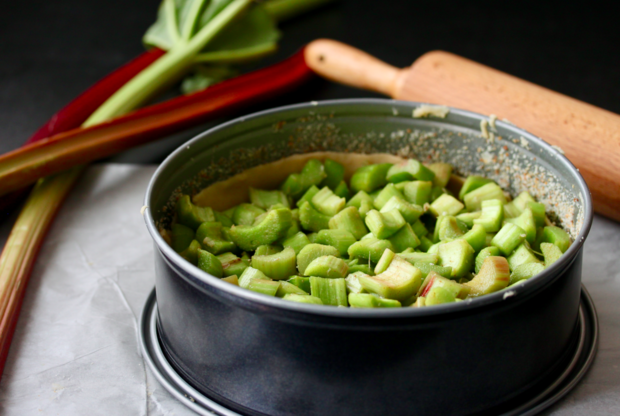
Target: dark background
pixel 50 51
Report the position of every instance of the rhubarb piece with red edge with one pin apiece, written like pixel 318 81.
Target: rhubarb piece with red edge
pixel 399 281
pixel 494 275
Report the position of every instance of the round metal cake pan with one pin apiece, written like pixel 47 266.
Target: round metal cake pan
pixel 258 355
pixel 530 403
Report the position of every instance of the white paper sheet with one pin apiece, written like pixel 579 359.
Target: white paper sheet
pixel 76 351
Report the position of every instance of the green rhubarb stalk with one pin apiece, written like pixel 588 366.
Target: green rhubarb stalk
pixel 166 70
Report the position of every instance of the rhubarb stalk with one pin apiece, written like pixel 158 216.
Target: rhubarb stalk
pixel 22 246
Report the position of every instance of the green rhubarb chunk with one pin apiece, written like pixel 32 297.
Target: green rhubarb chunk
pixel 508 238
pixel 349 220
pixel 313 300
pixel 266 199
pixel 361 267
pixel 419 302
pixel 446 205
pixel 492 215
pixel 277 266
pixel 401 185
pixel 294 185
pixel 267 249
pixel 191 252
pixel 511 211
pixel 494 275
pixel 365 208
pixel 371 177
pixel 447 229
pixel 426 268
pixel 311 219
pixel 442 172
pixel 434 280
pixel 334 172
pixel 418 192
pixel 457 254
pixel 287 288
pixel 356 200
pixel 192 215
pixel 353 283
pixel 342 190
pixel 384 224
pixel 438 296
pixel 313 172
pixel 425 244
pixel 409 170
pixel 301 282
pixel 384 261
pixel 538 211
pixel 438 191
pixel 484 253
pixel 476 237
pixel 248 274
pixel 410 212
pixel 296 242
pixel 414 258
pixel 311 252
pixel 551 253
pixel 211 238
pixel 307 197
pixel 223 219
pixel 522 255
pixel 434 249
pixel 311 175
pixel 471 183
pixel 527 223
pixel 312 237
pixel 264 286
pixel 229 212
pixel 209 263
pixel 399 281
pixel 522 200
pixel 233 280
pixel 330 291
pixel 273 227
pixel 341 239
pixel 404 239
pixel 419 229
pixel 366 300
pixel 245 214
pixel 387 193
pixel 232 265
pixel 473 200
pixel 329 267
pixel 326 202
pixel 556 235
pixel 489 238
pixel 369 249
pixel 293 230
pixel 525 271
pixel 182 237
pixel 468 217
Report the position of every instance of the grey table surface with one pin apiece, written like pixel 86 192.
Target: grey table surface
pixel 76 347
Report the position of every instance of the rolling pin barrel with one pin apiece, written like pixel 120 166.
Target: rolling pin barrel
pixel 588 135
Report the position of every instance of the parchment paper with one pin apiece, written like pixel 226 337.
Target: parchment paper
pixel 76 352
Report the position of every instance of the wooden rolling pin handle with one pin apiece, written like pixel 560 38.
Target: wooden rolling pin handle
pixel 347 65
pixel 588 135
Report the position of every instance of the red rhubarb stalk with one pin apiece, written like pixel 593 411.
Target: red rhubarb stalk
pixel 79 146
pixel 77 111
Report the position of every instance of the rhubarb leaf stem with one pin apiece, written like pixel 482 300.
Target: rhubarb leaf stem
pixel 166 70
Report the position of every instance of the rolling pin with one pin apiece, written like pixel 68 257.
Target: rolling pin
pixel 588 135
